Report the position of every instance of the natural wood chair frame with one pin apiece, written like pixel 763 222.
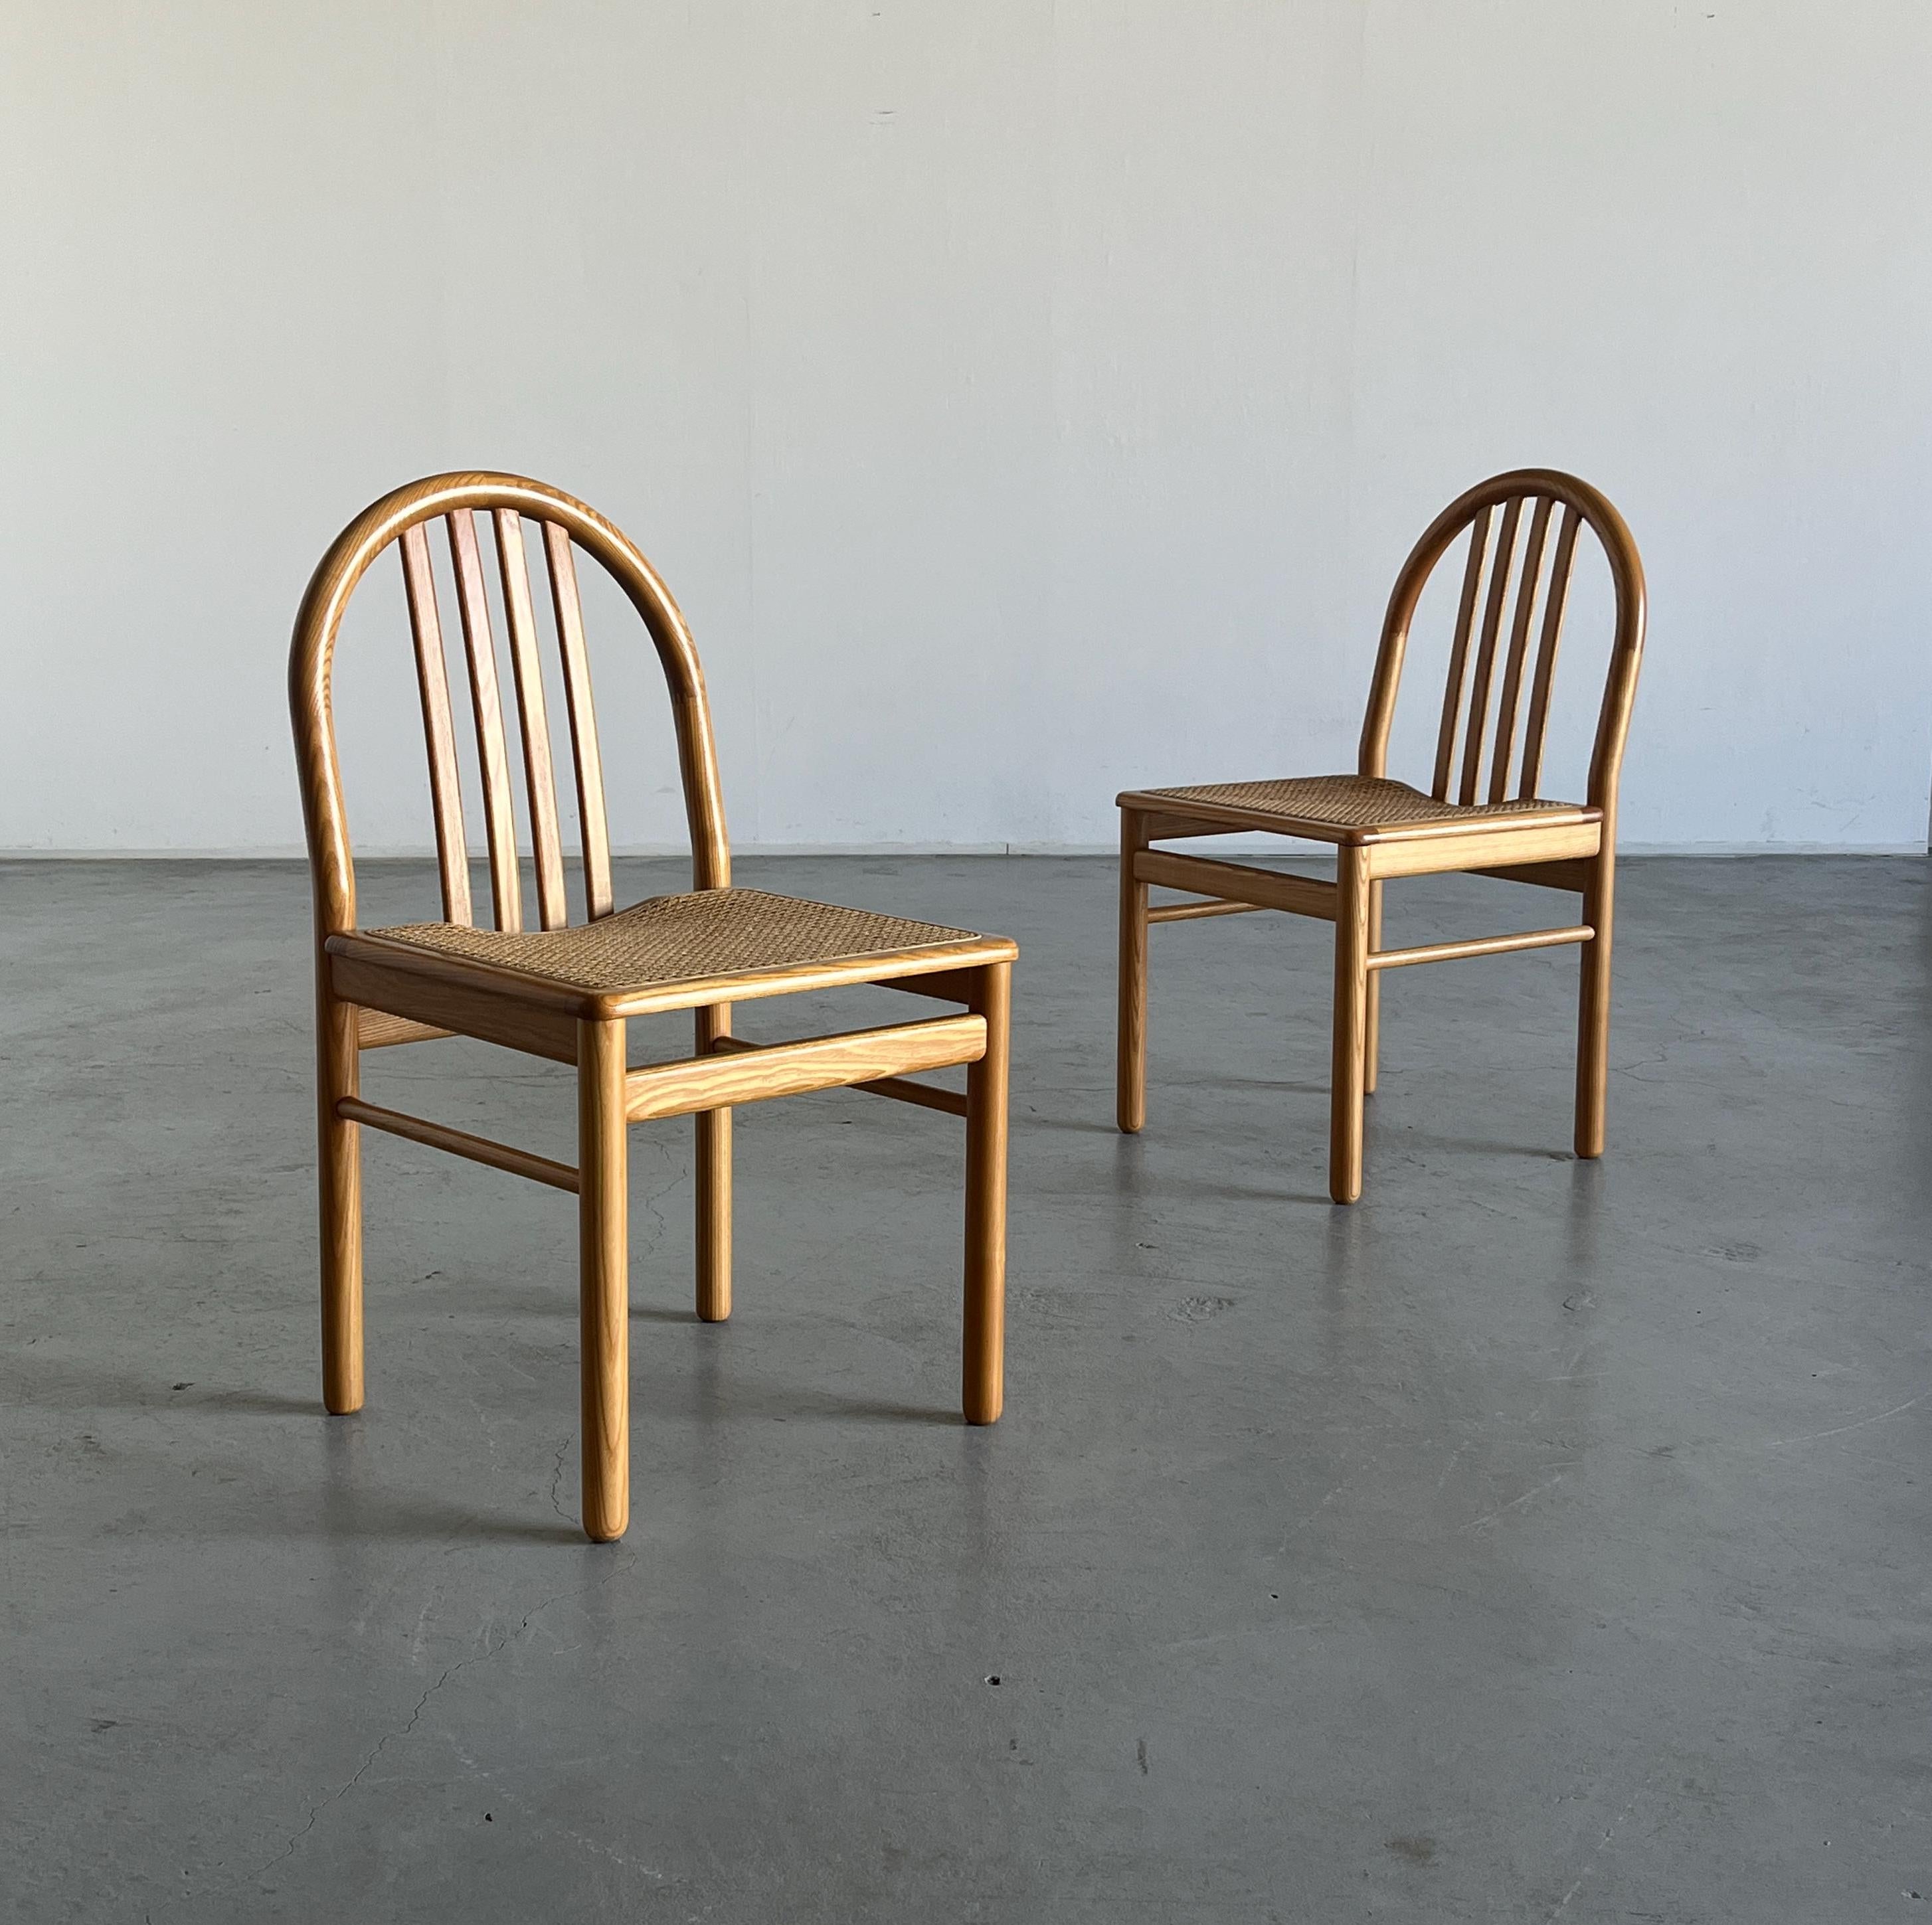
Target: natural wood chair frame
pixel 372 993
pixel 1572 848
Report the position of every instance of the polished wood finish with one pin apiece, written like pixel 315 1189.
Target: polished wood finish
pixel 1235 882
pixel 376 1030
pixel 446 786
pixel 479 642
pixel 592 827
pixel 540 784
pixel 982 1363
pixel 765 1070
pixel 374 989
pixel 923 1095
pixel 1520 532
pixel 1482 945
pixel 604 1279
pixel 459 1143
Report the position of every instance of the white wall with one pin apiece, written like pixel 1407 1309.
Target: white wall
pixel 1023 398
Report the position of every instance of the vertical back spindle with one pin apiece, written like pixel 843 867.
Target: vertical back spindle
pixel 1508 701
pixel 1458 653
pixel 499 817
pixel 1485 654
pixel 446 786
pixel 592 826
pixel 1558 595
pixel 553 910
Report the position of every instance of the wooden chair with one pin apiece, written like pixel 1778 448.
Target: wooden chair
pixel 1487 820
pixel 566 991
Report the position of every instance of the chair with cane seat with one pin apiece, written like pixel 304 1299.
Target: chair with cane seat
pixel 566 991
pixel 1484 817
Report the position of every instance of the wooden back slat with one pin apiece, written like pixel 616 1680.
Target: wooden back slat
pixel 446 786
pixel 553 910
pixel 1486 654
pixel 592 826
pixel 1471 514
pixel 499 816
pixel 1458 653
pixel 1558 596
pixel 1510 699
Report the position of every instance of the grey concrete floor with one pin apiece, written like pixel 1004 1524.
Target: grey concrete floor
pixel 1534 1541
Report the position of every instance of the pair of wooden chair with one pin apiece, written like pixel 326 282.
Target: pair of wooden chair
pixel 568 991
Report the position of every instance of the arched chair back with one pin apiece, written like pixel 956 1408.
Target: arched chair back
pixel 1519 533
pixel 484 515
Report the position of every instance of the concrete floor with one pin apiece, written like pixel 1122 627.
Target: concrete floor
pixel 1534 1541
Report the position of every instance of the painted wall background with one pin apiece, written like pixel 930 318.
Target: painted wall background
pixel 1023 400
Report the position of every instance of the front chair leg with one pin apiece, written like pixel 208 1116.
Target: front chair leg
pixel 603 1278
pixel 1352 916
pixel 338 1071
pixel 982 1370
pixel 1593 1013
pixel 714 1186
pixel 1130 1042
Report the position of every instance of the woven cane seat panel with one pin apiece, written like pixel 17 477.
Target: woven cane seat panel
pixel 1348 802
pixel 671 938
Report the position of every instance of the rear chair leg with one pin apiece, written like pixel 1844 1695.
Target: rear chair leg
pixel 1351 1004
pixel 1593 1014
pixel 1130 1076
pixel 714 1186
pixel 338 1074
pixel 982 1371
pixel 603 1278
pixel 1371 1021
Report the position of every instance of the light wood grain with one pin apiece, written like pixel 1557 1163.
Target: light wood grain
pixel 922 1096
pixel 499 818
pixel 459 1143
pixel 376 1029
pixel 1193 912
pixel 1346 1088
pixel 446 786
pixel 1481 946
pixel 1568 846
pixel 982 1363
pixel 593 830
pixel 456 1006
pixel 604 1298
pixel 338 1069
pixel 795 1068
pixel 526 666
pixel 1260 888
pixel 1509 700
pixel 1131 1015
pixel 712 1028
pixel 374 989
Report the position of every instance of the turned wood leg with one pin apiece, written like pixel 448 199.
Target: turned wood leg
pixel 1351 1001
pixel 603 1278
pixel 1372 1016
pixel 982 1373
pixel 1593 1013
pixel 338 1074
pixel 1130 1070
pixel 714 1186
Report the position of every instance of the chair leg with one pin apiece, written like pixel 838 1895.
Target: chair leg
pixel 714 1186
pixel 603 1278
pixel 338 1074
pixel 1372 1018
pixel 982 1371
pixel 1130 1069
pixel 1593 1014
pixel 1351 1004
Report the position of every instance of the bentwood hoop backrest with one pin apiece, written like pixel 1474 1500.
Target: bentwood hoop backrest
pixel 1522 530
pixel 469 508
